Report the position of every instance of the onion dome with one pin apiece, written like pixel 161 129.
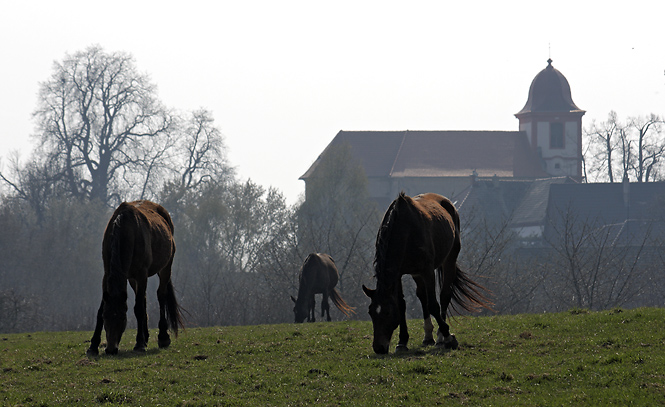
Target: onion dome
pixel 549 92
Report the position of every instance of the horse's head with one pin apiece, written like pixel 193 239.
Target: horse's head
pixel 115 322
pixel 384 310
pixel 300 310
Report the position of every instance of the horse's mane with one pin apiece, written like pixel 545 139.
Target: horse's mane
pixel 384 235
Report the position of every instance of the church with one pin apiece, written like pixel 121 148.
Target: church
pixel 525 177
pixel 547 145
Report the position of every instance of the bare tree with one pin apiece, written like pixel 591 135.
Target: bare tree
pixel 634 149
pixel 603 142
pixel 96 118
pixel 198 155
pixel 491 251
pixel 590 266
pixel 650 146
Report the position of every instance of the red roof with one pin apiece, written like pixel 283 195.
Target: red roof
pixel 440 153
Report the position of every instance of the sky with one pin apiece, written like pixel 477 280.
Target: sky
pixel 281 78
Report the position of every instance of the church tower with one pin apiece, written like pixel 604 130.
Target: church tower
pixel 553 124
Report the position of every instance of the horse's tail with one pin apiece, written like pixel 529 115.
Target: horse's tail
pixel 174 317
pixel 468 294
pixel 116 280
pixel 341 304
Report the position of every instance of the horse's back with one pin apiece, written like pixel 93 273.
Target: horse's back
pixel 319 271
pixel 437 206
pixel 437 227
pixel 155 216
pixel 146 230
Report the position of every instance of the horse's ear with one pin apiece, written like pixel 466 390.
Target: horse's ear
pixel 293 299
pixel 368 291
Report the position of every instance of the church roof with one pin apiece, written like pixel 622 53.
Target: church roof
pixel 523 202
pixel 606 201
pixel 532 209
pixel 549 92
pixel 440 153
pixel 604 205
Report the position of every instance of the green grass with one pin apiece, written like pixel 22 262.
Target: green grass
pixel 575 358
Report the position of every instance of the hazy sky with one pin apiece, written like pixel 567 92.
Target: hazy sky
pixel 283 77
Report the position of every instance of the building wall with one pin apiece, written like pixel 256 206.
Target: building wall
pixel 385 189
pixel 560 161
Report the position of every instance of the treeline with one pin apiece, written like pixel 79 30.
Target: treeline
pixel 239 250
pixel 104 137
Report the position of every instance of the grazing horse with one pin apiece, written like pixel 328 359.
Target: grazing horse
pixel 417 236
pixel 318 275
pixel 138 243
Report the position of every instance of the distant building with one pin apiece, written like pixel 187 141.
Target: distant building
pixel 528 179
pixel 553 124
pixel 548 144
pixel 537 210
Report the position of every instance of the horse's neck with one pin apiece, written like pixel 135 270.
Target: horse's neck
pixel 389 282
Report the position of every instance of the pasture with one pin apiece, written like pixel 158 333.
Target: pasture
pixel 573 358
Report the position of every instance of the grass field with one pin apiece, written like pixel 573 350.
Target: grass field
pixel 576 358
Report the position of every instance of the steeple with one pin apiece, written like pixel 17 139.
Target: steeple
pixel 553 123
pixel 549 92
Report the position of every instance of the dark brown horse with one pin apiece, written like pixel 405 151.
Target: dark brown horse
pixel 138 243
pixel 417 236
pixel 318 275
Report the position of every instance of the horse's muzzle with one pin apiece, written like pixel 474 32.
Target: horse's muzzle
pixel 380 349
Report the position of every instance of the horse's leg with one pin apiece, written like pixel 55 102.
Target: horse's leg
pixel 93 350
pixel 403 331
pixel 140 311
pixel 434 309
pixel 421 293
pixel 325 306
pixel 445 338
pixel 311 310
pixel 163 338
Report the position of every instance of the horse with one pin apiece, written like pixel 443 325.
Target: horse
pixel 318 275
pixel 138 243
pixel 417 236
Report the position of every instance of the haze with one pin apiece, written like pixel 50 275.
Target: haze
pixel 282 78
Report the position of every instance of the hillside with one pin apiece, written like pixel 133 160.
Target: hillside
pixel 581 358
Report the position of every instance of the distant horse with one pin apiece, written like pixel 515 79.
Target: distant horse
pixel 417 236
pixel 318 275
pixel 138 243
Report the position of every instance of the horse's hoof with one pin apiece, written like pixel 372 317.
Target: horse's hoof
pixel 111 351
pixel 92 352
pixel 401 348
pixel 448 343
pixel 164 344
pixel 139 349
pixel 428 342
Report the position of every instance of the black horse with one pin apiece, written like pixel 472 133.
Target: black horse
pixel 417 236
pixel 318 275
pixel 138 243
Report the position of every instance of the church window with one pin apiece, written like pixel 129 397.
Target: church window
pixel 556 135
